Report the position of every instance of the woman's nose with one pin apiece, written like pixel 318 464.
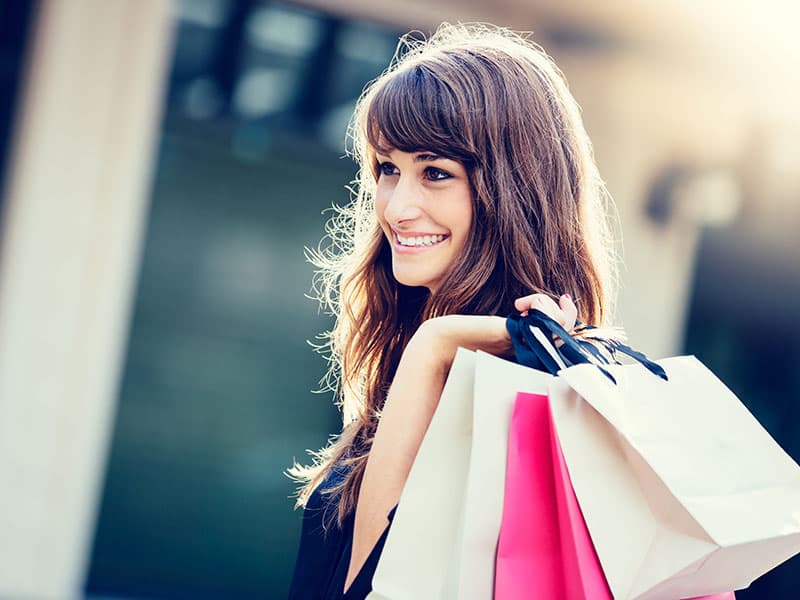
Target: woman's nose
pixel 403 203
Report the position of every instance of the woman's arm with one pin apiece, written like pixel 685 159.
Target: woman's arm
pixel 407 411
pixel 410 403
pixel 409 407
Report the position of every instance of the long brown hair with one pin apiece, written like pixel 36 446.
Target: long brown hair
pixel 495 101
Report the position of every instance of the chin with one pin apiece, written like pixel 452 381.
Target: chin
pixel 414 279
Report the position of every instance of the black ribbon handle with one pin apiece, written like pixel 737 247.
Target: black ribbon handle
pixel 530 351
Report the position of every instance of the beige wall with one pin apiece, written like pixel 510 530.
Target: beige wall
pixel 72 232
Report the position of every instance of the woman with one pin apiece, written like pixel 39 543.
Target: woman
pixel 477 195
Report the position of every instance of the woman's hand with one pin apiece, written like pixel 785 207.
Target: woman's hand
pixel 565 312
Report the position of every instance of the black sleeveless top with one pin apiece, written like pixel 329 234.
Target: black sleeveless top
pixel 324 556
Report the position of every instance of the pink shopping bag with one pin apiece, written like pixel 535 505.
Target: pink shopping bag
pixel 544 549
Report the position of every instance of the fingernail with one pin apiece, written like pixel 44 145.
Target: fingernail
pixel 568 296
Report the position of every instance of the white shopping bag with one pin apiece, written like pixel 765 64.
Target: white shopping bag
pixel 444 534
pixel 683 492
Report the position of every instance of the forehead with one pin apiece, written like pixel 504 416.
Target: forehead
pixel 413 111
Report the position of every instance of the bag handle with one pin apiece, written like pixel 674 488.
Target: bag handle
pixel 613 346
pixel 531 351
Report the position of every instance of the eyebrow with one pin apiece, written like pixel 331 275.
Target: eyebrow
pixel 421 157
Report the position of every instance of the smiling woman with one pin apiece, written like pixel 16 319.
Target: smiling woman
pixel 424 205
pixel 477 196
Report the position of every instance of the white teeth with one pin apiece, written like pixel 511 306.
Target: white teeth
pixel 422 240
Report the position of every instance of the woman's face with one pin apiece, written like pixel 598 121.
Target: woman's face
pixel 424 205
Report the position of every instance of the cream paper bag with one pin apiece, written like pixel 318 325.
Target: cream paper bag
pixel 683 492
pixel 444 534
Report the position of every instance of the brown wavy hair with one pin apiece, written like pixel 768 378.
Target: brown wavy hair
pixel 495 101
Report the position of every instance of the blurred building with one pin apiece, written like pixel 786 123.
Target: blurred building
pixel 167 163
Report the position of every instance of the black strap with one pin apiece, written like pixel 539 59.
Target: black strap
pixel 530 352
pixel 617 346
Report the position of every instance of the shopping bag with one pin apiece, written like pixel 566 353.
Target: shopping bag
pixel 443 537
pixel 544 547
pixel 711 502
pixel 497 383
pixel 683 492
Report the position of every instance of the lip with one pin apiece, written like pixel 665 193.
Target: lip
pixel 399 248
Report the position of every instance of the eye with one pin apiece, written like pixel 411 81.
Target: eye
pixel 386 168
pixel 434 174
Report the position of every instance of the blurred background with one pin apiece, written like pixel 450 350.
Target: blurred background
pixel 163 166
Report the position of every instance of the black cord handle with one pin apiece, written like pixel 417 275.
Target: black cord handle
pixel 530 351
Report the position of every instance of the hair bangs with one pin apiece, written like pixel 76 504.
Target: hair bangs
pixel 415 111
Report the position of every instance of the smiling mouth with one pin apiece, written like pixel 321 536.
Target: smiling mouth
pixel 419 241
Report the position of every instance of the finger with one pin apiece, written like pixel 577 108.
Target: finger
pixel 544 303
pixel 540 301
pixel 569 310
pixel 548 306
pixel 524 304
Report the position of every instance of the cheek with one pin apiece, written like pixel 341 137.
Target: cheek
pixel 462 216
pixel 379 205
